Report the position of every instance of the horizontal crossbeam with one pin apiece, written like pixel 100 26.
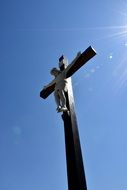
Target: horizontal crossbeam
pixel 83 58
pixel 71 69
pixel 46 92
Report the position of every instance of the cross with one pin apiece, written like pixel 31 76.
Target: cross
pixel 74 160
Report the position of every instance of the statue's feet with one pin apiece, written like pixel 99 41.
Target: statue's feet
pixel 61 109
pixel 64 109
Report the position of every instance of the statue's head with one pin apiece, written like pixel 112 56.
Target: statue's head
pixel 55 71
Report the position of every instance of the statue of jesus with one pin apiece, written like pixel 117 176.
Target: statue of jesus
pixel 60 86
pixel 60 89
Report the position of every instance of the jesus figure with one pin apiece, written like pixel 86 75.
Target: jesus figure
pixel 60 86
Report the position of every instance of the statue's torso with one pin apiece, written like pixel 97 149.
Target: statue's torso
pixel 61 82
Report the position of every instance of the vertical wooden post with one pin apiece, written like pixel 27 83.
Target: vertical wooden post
pixel 75 168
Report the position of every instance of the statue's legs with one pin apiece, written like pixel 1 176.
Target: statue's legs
pixel 57 98
pixel 62 98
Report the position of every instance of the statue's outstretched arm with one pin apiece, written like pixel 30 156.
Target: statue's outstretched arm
pixel 52 83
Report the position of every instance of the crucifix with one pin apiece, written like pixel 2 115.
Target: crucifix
pixel 62 87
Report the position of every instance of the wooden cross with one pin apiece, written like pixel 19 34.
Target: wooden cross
pixel 75 168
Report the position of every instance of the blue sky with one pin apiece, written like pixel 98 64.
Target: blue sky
pixel 33 35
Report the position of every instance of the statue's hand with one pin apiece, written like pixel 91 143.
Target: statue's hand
pixel 79 53
pixel 44 87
